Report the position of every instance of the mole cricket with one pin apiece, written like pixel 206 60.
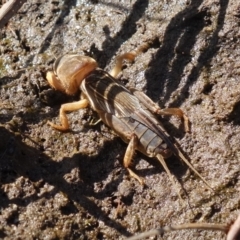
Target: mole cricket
pixel 129 112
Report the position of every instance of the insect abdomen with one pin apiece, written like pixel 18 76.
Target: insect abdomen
pixel 148 141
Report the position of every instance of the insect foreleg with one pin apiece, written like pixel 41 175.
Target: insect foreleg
pixel 154 108
pixel 54 82
pixel 66 108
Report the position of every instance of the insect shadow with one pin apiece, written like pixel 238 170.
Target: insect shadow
pixel 111 44
pixel 175 52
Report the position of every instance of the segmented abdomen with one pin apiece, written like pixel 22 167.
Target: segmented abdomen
pixel 107 95
pixel 149 142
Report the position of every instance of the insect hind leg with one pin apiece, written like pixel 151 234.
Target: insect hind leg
pixel 154 108
pixel 162 161
pixel 129 154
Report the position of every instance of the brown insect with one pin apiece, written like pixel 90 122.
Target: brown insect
pixel 129 112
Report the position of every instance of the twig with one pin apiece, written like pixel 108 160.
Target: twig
pixel 160 231
pixel 9 9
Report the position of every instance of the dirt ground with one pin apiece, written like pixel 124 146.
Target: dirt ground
pixel 73 185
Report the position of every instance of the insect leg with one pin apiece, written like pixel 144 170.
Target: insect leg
pixel 129 154
pixel 130 56
pixel 54 82
pixel 162 161
pixel 63 117
pixel 126 134
pixel 154 108
pixel 178 112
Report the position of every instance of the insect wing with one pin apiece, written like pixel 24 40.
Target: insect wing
pixel 107 94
